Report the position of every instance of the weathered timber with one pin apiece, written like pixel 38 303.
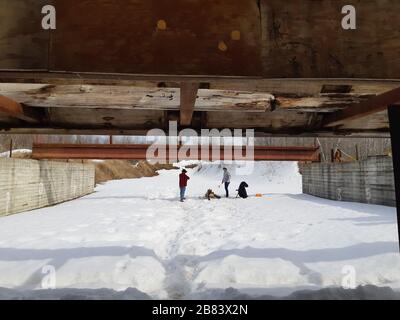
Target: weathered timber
pixel 371 106
pixel 126 97
pixel 204 37
pixel 14 109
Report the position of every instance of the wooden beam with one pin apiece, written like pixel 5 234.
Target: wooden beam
pixel 277 86
pixel 132 97
pixel 249 29
pixel 14 109
pixel 188 98
pixel 357 111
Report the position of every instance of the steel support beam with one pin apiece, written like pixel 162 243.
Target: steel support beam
pixel 140 152
pixel 394 120
pixel 374 105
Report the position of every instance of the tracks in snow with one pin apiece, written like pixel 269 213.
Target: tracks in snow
pixel 177 284
pixel 182 269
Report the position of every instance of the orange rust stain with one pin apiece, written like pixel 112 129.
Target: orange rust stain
pixel 222 46
pixel 161 25
pixel 236 35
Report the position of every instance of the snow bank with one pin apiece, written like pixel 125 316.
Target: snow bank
pixel 18 153
pixel 269 177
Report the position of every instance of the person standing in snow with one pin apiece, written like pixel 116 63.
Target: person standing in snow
pixel 183 180
pixel 226 180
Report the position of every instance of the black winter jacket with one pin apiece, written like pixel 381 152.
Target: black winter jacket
pixel 242 190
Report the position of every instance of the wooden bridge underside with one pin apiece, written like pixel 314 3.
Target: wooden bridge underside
pixel 129 66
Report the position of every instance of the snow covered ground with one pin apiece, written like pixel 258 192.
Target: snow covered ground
pixel 18 152
pixel 135 234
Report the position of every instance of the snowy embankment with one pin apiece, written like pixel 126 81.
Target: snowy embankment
pixel 135 234
pixel 19 153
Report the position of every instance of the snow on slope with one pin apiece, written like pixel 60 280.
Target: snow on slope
pixel 16 153
pixel 270 177
pixel 134 233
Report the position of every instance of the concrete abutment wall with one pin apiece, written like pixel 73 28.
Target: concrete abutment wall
pixel 370 181
pixel 30 184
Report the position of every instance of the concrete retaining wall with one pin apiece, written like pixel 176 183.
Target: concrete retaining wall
pixel 370 181
pixel 30 184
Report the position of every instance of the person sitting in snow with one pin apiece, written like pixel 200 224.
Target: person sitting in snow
pixel 242 192
pixel 183 180
pixel 211 195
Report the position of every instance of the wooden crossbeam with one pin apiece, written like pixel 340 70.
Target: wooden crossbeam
pixel 363 109
pixel 278 86
pixel 14 109
pixel 134 97
pixel 188 100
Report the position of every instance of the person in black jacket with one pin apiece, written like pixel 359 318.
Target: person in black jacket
pixel 242 190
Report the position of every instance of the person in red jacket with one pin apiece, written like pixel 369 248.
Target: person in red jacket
pixel 183 180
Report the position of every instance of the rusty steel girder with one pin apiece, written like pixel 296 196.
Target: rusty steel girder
pixel 140 152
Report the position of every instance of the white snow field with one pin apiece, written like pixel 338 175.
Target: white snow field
pixel 136 234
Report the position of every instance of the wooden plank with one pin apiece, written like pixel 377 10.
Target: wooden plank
pixel 322 103
pixel 272 121
pixel 301 87
pixel 14 109
pixel 106 119
pixel 188 97
pixel 361 110
pixel 10 107
pixel 373 121
pixel 126 97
